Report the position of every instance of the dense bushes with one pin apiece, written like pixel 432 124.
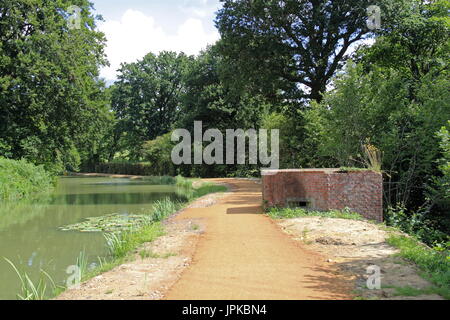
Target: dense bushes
pixel 21 179
pixel 417 224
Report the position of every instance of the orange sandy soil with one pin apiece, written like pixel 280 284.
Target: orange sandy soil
pixel 244 255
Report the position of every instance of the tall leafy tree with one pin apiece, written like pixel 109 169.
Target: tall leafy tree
pixel 49 88
pixel 417 43
pixel 296 45
pixel 210 98
pixel 146 97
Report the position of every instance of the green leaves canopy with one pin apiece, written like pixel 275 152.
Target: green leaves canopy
pixel 146 97
pixel 290 45
pixel 50 95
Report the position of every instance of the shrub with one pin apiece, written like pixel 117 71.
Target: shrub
pixel 183 182
pixel 158 153
pixel 415 224
pixel 21 179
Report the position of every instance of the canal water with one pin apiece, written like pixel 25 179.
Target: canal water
pixel 30 235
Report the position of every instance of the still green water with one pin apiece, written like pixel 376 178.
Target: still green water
pixel 29 234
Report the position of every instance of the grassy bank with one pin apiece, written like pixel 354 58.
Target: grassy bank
pixel 21 179
pixel 433 263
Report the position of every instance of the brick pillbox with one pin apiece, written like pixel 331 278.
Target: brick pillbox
pixel 325 189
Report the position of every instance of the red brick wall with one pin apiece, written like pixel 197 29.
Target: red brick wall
pixel 326 189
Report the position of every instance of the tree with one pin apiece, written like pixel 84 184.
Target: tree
pixel 375 107
pixel 158 153
pixel 296 45
pixel 210 99
pixel 49 88
pixel 417 43
pixel 146 97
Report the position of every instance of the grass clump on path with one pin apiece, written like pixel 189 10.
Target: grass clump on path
pixel 291 213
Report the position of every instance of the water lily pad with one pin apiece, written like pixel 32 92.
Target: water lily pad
pixel 109 223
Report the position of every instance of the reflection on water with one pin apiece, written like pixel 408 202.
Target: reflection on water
pixel 29 234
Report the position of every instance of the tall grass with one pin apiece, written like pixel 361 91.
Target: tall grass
pixel 183 182
pixel 163 208
pixel 208 188
pixel 31 290
pixel 374 157
pixel 82 263
pixel 120 244
pixel 21 179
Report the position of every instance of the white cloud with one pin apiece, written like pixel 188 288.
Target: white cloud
pixel 136 34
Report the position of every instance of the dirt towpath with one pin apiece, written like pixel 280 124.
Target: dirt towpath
pixel 245 255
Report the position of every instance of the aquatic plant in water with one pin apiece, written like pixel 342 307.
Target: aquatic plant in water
pixel 109 223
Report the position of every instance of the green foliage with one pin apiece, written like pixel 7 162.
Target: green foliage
pixel 163 208
pixel 414 292
pixel 291 213
pixel 31 290
pixel 126 168
pixel 158 153
pixel 120 244
pixel 82 264
pixel 435 264
pixel 146 98
pixel 183 182
pixel 210 98
pixel 208 188
pixel 439 190
pixel 21 179
pixel 375 106
pixel 288 139
pixel 417 43
pixel 52 102
pixel 417 224
pixel 281 46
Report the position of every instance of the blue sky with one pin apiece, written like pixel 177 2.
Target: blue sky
pixel 135 27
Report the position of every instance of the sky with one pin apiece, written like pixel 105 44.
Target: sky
pixel 134 28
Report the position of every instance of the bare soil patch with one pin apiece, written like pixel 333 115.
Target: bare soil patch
pixel 352 246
